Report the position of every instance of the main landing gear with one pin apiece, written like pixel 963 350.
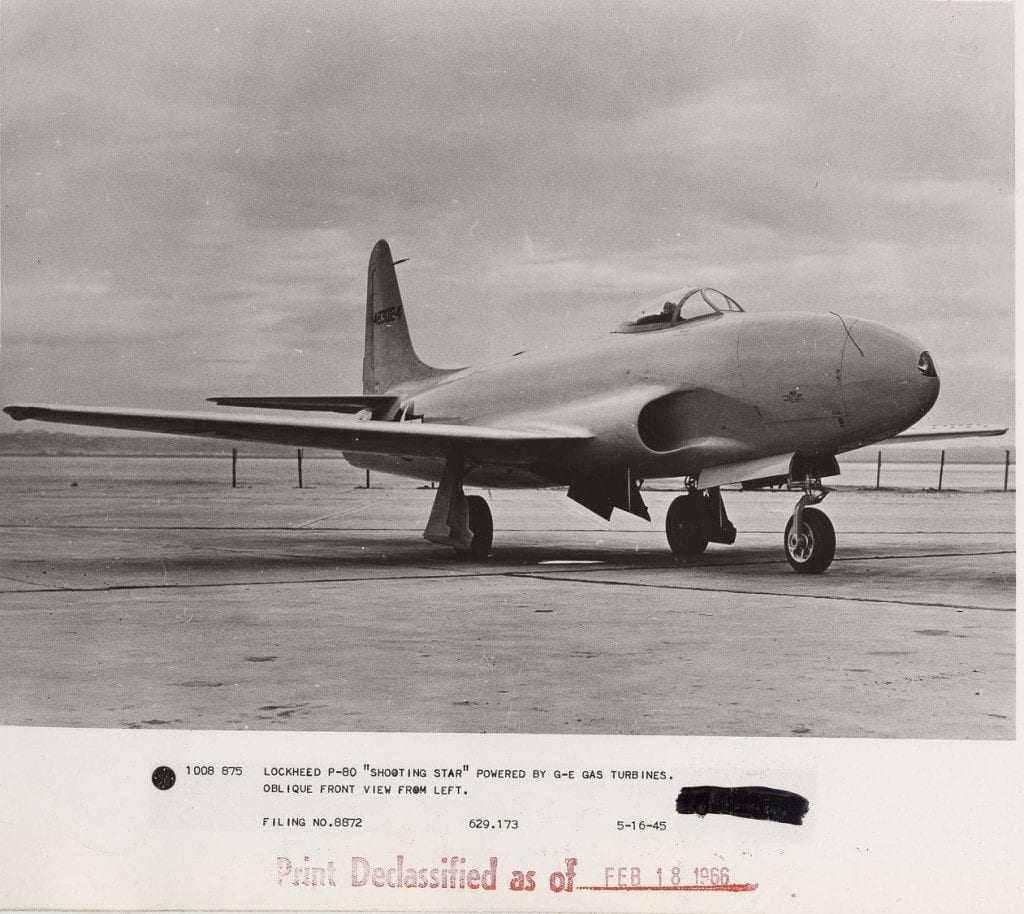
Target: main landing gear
pixel 459 520
pixel 481 527
pixel 698 518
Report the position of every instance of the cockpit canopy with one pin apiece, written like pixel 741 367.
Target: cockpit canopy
pixel 678 307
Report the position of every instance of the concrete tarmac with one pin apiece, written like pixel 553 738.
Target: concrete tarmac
pixel 151 598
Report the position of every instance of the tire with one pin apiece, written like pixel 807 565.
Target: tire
pixel 481 526
pixel 813 552
pixel 684 526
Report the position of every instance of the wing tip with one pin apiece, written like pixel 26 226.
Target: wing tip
pixel 945 433
pixel 963 431
pixel 21 412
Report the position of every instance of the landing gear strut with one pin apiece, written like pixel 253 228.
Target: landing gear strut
pixel 810 539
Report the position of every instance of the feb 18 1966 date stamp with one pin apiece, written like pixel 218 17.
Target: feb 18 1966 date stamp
pixel 456 873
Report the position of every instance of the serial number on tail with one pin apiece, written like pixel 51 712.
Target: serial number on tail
pixel 387 315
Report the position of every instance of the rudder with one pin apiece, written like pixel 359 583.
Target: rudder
pixel 388 358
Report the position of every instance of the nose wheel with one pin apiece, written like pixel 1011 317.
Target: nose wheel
pixel 810 539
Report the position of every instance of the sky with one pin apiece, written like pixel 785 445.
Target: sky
pixel 190 190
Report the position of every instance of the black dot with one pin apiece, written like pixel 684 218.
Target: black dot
pixel 163 778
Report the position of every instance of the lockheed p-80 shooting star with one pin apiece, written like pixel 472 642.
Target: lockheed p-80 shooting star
pixel 692 386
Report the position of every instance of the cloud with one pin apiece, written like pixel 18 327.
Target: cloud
pixel 199 184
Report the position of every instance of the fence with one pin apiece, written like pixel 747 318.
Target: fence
pixel 940 474
pixel 298 460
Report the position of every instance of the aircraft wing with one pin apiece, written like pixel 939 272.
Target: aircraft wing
pixel 943 433
pixel 511 445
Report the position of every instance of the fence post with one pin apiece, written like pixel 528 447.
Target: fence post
pixel 300 467
pixel 878 474
pixel 1006 472
pixel 942 466
pixel 234 468
pixel 367 479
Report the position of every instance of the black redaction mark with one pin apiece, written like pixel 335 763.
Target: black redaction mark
pixel 745 802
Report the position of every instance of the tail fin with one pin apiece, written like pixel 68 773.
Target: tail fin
pixel 388 358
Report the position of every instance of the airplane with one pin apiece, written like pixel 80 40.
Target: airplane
pixel 690 386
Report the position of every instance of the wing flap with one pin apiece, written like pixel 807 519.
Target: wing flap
pixel 408 439
pixel 378 405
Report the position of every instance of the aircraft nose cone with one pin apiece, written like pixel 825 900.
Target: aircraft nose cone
pixel 889 381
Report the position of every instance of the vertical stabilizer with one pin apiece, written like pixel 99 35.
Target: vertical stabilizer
pixel 388 358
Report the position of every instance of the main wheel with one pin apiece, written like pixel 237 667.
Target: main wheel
pixel 481 526
pixel 811 549
pixel 684 525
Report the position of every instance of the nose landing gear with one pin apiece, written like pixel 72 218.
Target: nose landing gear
pixel 810 539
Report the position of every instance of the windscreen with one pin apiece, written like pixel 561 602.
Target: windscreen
pixel 678 307
pixel 659 311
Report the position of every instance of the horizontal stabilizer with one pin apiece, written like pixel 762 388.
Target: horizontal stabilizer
pixel 944 433
pixel 477 443
pixel 380 406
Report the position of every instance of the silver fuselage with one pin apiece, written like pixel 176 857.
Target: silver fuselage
pixel 673 401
